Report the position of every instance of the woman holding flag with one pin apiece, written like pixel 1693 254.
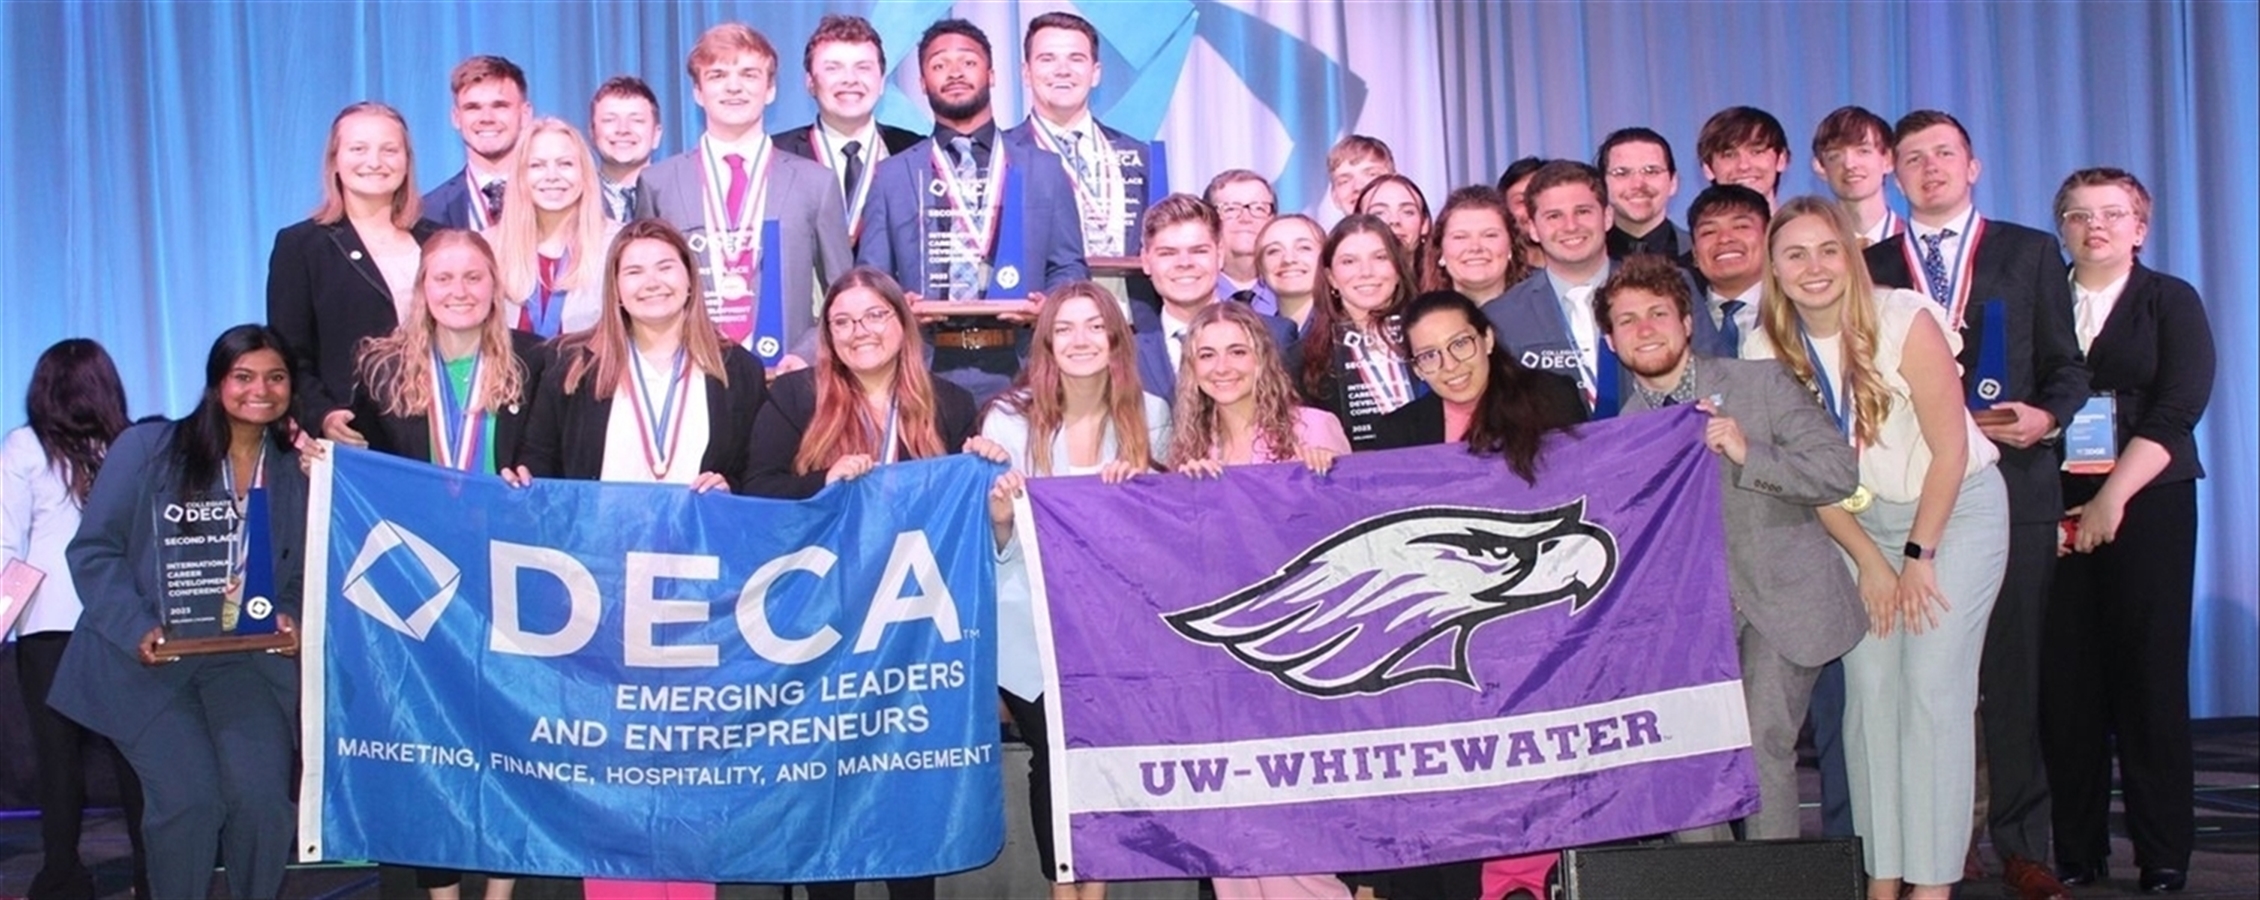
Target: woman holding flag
pixel 1882 363
pixel 689 397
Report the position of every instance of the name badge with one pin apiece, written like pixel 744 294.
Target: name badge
pixel 2091 441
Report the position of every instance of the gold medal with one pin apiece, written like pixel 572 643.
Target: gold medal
pixel 1858 503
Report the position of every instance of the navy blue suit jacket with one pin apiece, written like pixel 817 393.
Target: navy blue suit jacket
pixel 449 205
pixel 1160 378
pixel 114 560
pixel 894 218
pixel 1134 156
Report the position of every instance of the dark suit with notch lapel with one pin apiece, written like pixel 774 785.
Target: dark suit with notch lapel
pixel 183 724
pixel 410 437
pixel 1528 319
pixel 895 226
pixel 566 431
pixel 797 141
pixel 449 204
pixel 1135 156
pixel 1160 378
pixel 324 295
pixel 1791 617
pixel 2022 269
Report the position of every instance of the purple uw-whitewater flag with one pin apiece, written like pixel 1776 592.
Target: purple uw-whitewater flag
pixel 1418 658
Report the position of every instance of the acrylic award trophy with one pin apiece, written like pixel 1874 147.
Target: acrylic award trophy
pixel 1992 368
pixel 1006 275
pixel 2091 441
pixel 216 576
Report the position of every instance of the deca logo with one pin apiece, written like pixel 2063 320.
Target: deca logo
pixel 385 537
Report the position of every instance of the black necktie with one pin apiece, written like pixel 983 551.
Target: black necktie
pixel 1246 295
pixel 851 174
pixel 1668 401
pixel 493 194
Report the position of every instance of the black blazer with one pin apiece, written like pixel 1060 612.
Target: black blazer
pixel 449 204
pixel 2023 269
pixel 2155 354
pixel 410 437
pixel 1421 422
pixel 324 294
pixel 565 432
pixel 796 141
pixel 792 405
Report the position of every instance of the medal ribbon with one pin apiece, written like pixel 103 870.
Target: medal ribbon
pixel 1825 386
pixel 239 540
pixel 1100 197
pixel 660 426
pixel 458 429
pixel 1963 266
pixel 974 228
pixel 544 313
pixel 733 235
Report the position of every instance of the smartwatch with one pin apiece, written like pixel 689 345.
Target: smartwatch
pixel 1918 551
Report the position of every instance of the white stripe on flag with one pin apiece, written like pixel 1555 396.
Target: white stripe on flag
pixel 313 679
pixel 1672 724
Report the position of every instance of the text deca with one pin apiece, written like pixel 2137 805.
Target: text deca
pixel 910 589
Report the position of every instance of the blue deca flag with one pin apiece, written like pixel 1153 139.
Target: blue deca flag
pixel 635 681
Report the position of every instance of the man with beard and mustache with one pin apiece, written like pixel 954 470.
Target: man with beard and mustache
pixel 624 128
pixel 491 113
pixel 1642 177
pixel 1983 270
pixel 1744 145
pixel 846 73
pixel 1781 460
pixel 975 229
pixel 1730 259
pixel 1547 320
pixel 723 194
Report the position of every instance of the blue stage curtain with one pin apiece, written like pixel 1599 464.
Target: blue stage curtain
pixel 155 147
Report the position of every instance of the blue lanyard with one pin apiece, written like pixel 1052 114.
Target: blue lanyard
pixel 545 310
pixel 1823 383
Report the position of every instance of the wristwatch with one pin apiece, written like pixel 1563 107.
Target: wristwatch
pixel 1918 551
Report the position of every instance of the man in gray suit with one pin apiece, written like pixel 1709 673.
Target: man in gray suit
pixel 725 195
pixel 1795 608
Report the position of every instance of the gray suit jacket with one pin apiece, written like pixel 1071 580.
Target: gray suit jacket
pixel 804 201
pixel 1788 578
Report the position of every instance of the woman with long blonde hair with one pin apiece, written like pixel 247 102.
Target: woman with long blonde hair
pixel 1076 409
pixel 650 393
pixel 1926 534
pixel 551 240
pixel 450 386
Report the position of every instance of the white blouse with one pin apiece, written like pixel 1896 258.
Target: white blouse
pixel 38 517
pixel 624 436
pixel 1894 465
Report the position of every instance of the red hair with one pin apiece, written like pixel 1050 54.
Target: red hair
pixel 843 424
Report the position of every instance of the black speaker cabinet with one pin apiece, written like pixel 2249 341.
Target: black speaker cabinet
pixel 1793 870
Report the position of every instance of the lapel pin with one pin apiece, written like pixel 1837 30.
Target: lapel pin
pixel 354 255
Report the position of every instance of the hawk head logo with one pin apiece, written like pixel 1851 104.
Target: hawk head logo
pixel 1393 599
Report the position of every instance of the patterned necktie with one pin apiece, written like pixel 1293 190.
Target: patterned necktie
pixel 965 271
pixel 493 194
pixel 1730 329
pixel 851 173
pixel 1934 268
pixel 1074 147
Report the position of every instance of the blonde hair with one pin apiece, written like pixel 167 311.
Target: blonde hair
pixel 603 351
pixel 406 205
pixel 1199 423
pixel 517 238
pixel 1039 394
pixel 1863 382
pixel 396 368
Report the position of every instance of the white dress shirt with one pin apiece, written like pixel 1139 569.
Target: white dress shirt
pixel 2090 309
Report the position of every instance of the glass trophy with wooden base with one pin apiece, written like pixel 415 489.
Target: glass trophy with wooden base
pixel 216 576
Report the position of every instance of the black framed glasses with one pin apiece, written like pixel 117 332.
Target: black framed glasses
pixel 1462 348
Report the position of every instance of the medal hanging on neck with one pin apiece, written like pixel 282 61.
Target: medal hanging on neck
pixel 544 312
pixel 1961 268
pixel 1839 407
pixel 1100 194
pixel 659 426
pixel 458 428
pixel 736 239
pixel 239 538
pixel 874 150
pixel 973 221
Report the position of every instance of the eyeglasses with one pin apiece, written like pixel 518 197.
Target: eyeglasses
pixel 1428 361
pixel 2109 216
pixel 1643 171
pixel 1235 210
pixel 871 321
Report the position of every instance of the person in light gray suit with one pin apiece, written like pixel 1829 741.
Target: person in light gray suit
pixel 733 72
pixel 1782 459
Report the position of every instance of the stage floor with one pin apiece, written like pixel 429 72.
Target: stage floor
pixel 2227 864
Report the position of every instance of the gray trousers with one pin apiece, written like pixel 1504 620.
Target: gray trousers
pixel 1776 691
